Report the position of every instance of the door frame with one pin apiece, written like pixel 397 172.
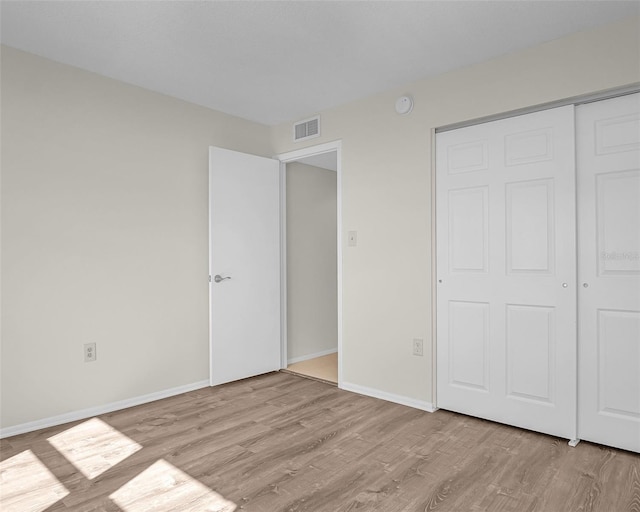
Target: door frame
pixel 285 158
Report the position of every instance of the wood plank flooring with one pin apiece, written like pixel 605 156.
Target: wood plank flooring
pixel 279 442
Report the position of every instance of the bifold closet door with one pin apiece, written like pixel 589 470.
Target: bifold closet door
pixel 608 159
pixel 506 270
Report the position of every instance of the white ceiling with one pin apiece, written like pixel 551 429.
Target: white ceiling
pixel 275 61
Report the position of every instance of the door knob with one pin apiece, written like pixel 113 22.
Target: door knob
pixel 564 285
pixel 218 278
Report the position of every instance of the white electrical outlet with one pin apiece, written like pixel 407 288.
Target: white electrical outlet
pixel 89 352
pixel 418 346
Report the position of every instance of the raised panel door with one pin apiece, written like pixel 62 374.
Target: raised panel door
pixel 608 157
pixel 506 270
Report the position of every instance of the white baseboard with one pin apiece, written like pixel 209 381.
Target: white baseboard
pixel 53 421
pixel 311 356
pixel 389 397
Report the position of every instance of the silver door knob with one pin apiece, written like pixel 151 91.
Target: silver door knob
pixel 218 278
pixel 586 285
pixel 564 285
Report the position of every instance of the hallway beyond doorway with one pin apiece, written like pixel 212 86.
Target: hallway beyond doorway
pixel 324 368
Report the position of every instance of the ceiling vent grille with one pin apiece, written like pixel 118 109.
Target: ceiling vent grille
pixel 307 129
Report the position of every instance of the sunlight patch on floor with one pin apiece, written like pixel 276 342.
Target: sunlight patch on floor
pixel 27 484
pixel 93 447
pixel 162 486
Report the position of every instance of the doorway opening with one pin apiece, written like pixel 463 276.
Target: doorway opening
pixel 311 262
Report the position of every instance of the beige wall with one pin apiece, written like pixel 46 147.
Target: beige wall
pixel 104 237
pixel 312 292
pixel 386 186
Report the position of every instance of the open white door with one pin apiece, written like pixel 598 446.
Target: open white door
pixel 608 141
pixel 244 265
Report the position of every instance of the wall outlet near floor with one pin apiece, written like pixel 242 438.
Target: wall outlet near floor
pixel 89 352
pixel 418 346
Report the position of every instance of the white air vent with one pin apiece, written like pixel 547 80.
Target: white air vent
pixel 307 129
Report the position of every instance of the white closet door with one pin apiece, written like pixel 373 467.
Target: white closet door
pixel 506 298
pixel 608 143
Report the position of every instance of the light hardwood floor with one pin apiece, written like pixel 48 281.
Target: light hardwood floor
pixel 279 442
pixel 324 368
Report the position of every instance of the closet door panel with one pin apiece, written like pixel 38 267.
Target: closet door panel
pixel 506 300
pixel 608 152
